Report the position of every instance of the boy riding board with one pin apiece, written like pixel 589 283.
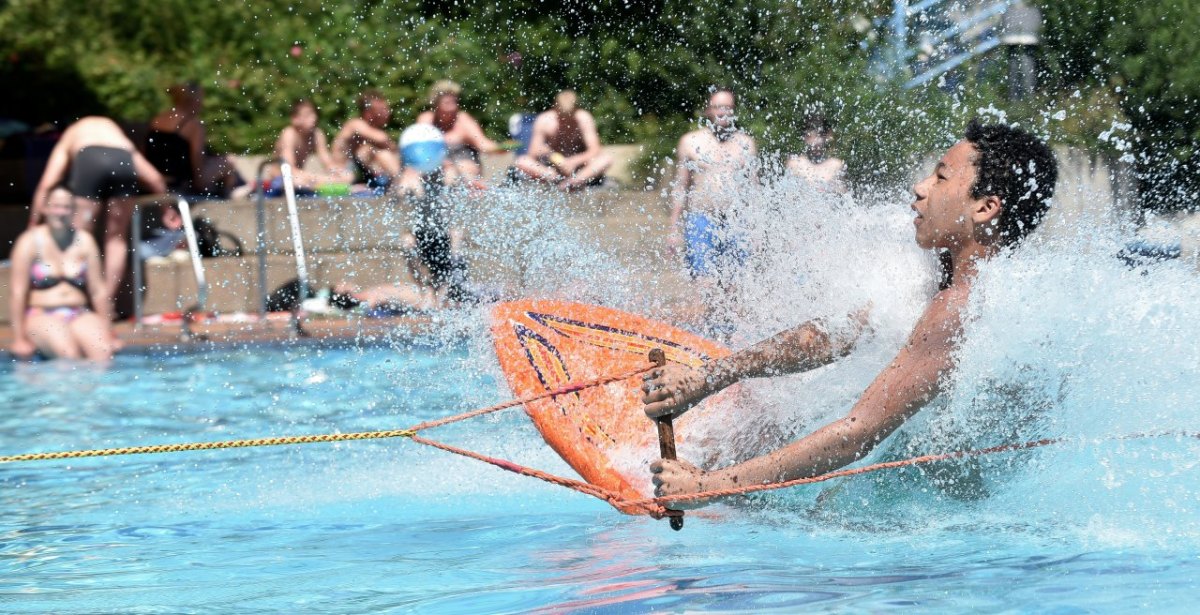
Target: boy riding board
pixel 986 194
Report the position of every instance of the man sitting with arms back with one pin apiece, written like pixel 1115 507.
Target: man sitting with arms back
pixel 364 142
pixel 986 194
pixel 565 147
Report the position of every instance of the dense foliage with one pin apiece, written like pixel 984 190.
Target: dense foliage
pixel 643 67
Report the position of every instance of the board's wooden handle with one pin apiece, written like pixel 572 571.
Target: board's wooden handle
pixel 666 435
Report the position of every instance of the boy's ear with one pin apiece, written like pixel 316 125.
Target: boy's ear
pixel 988 209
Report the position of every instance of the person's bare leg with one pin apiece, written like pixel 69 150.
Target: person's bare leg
pixel 85 214
pixel 93 337
pixel 410 184
pixel 590 170
pixel 386 162
pixel 116 242
pixel 51 336
pixel 537 170
pixel 462 170
pixel 450 173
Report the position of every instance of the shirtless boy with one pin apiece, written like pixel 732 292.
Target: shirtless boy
pixel 986 194
pixel 822 171
pixel 464 136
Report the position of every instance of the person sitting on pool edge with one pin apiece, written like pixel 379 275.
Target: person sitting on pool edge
pixel 986 194
pixel 565 147
pixel 463 135
pixel 55 275
pixel 299 140
pixel 363 143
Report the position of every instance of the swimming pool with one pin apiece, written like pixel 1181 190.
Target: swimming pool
pixel 389 525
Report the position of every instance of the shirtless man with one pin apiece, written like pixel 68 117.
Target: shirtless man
pixel 464 136
pixel 301 139
pixel 103 169
pixel 565 148
pixel 972 206
pixel 364 142
pixel 822 171
pixel 709 164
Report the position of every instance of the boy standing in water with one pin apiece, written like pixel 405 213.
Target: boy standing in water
pixel 987 193
pixel 822 171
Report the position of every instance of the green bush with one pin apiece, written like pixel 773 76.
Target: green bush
pixel 643 68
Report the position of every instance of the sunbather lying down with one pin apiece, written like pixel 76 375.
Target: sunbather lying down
pixel 388 299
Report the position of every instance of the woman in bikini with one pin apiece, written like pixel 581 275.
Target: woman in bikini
pixel 55 277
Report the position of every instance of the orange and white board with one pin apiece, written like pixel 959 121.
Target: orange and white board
pixel 543 345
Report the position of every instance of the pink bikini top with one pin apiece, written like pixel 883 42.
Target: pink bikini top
pixel 41 278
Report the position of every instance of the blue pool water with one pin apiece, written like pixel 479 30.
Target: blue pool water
pixel 367 527
pixel 1061 339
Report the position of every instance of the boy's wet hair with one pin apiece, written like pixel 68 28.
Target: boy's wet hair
pixel 719 88
pixel 815 121
pixel 1017 167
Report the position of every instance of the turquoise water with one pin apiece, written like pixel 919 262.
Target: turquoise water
pixel 392 526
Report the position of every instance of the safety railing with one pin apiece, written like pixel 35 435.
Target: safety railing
pixel 260 220
pixel 139 275
pixel 302 274
pixel 289 192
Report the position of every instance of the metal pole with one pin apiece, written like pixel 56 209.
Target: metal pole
pixel 899 27
pixel 138 289
pixel 289 192
pixel 189 230
pixel 260 216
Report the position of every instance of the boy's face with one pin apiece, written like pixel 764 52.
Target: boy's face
pixel 943 200
pixel 817 141
pixel 447 104
pixel 377 113
pixel 720 109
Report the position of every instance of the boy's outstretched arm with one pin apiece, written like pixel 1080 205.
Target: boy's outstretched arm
pixel 672 390
pixel 909 382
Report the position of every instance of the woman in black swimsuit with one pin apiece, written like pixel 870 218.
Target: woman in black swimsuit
pixel 55 274
pixel 104 170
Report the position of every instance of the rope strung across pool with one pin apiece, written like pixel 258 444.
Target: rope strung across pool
pixel 656 507
pixel 312 439
pixel 208 446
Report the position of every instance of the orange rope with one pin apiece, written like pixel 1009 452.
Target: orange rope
pixel 876 467
pixel 563 390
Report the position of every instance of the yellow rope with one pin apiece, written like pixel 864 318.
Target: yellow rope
pixel 205 446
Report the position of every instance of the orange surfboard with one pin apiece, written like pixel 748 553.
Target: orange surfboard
pixel 602 432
